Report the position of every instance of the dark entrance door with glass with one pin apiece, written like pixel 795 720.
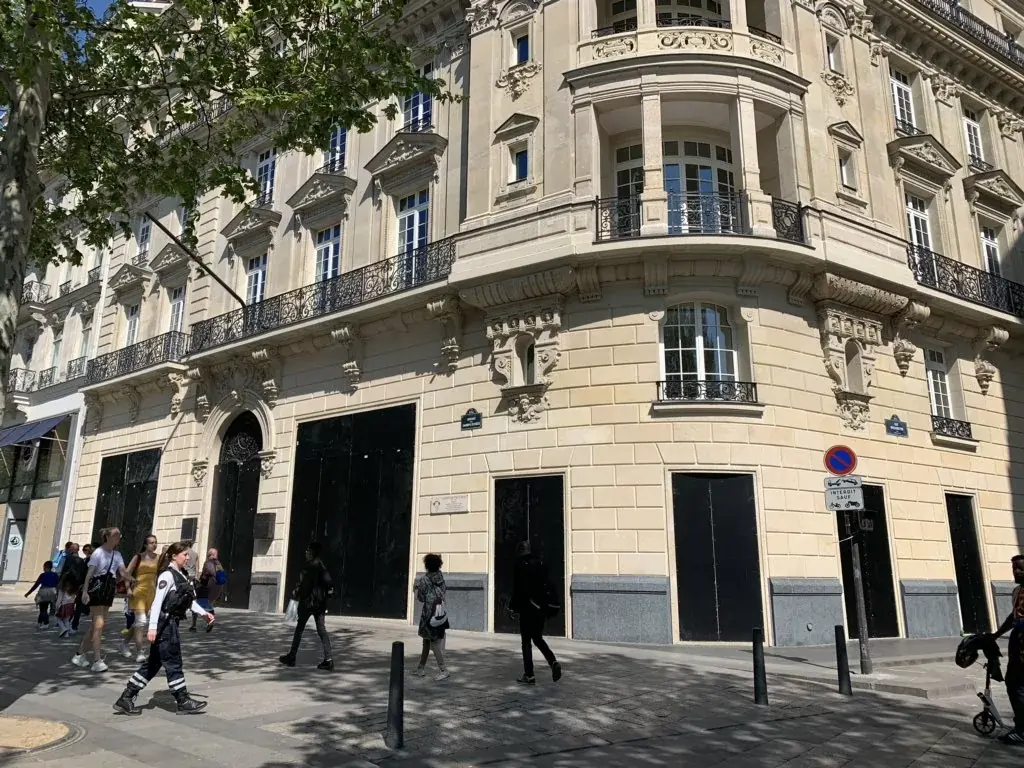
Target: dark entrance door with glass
pixel 127 497
pixel 236 492
pixel 528 509
pixel 718 570
pixel 970 580
pixel 875 565
pixel 353 494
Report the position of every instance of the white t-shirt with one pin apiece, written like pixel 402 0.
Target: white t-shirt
pixel 105 562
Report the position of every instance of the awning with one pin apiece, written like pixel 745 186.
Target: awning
pixel 28 431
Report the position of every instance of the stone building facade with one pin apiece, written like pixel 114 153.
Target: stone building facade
pixel 618 300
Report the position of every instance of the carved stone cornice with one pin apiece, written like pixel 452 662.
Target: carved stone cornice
pixel 904 323
pixel 588 283
pixel 170 259
pixel 348 338
pixel 559 281
pixel 842 290
pixel 447 311
pixel 93 413
pixel 996 190
pixel 322 199
pixel 656 275
pixel 267 369
pixel 252 229
pixel 987 342
pixel 923 155
pixel 129 278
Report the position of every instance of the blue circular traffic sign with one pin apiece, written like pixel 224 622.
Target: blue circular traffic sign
pixel 840 460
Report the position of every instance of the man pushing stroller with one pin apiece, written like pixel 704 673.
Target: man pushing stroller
pixel 1014 624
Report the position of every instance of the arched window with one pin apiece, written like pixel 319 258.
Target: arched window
pixel 700 351
pixel 526 352
pixel 854 368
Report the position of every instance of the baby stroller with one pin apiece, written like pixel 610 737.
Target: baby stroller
pixel 986 721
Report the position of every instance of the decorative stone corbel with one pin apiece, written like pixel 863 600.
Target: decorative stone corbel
pixel 842 89
pixel 180 383
pixel 655 276
pixel 540 324
pixel 588 283
pixel 987 343
pixel 347 336
pixel 447 311
pixel 838 326
pixel 265 365
pixel 753 274
pixel 131 394
pixel 903 350
pixel 85 308
pixel 199 469
pixel 515 80
pixel 798 290
pixel 93 413
pixel 878 51
pixel 267 461
pixel 202 379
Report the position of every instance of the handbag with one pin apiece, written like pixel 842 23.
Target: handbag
pixel 291 613
pixel 440 618
pixel 103 588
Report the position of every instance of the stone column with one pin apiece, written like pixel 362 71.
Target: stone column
pixel 586 138
pixel 738 14
pixel 744 143
pixel 587 17
pixel 653 216
pixel 646 14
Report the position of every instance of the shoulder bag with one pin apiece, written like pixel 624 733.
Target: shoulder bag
pixel 103 588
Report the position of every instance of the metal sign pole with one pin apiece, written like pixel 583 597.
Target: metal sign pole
pixel 858 593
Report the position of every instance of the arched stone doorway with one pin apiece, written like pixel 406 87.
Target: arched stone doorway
pixel 236 490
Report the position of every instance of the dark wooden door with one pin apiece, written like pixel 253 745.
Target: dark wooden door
pixel 970 579
pixel 718 570
pixel 528 509
pixel 876 567
pixel 126 498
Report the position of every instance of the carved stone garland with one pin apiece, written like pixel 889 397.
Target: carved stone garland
pixel 837 326
pixel 257 373
pixel 448 313
pixel 541 324
pixel 987 343
pixel 903 350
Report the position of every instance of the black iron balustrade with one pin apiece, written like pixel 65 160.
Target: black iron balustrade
pixel 65 288
pixel 626 25
pixel 21 380
pixel 417 125
pixel 141 258
pixel 264 199
pixel 788 220
pixel 706 213
pixel 76 368
pixel 35 293
pixel 94 275
pixel 977 164
pixel 676 390
pixel 166 348
pixel 758 32
pixel 419 267
pixel 907 128
pixel 618 218
pixel 951 427
pixel 691 20
pixel 972 26
pixel 964 281
pixel 334 165
pixel 46 378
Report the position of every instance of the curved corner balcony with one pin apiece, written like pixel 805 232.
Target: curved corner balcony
pixel 404 272
pixel 152 353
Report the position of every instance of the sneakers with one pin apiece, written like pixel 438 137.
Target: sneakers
pixel 526 679
pixel 420 671
pixel 126 705
pixel 79 660
pixel 556 671
pixel 125 651
pixel 64 633
pixel 209 628
pixel 1013 738
pixel 192 628
pixel 100 666
pixel 444 674
pixel 326 665
pixel 189 706
pixel 288 660
pixel 143 656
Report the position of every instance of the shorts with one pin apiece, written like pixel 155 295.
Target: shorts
pixel 204 603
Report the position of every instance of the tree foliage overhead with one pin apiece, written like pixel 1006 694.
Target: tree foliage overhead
pixel 104 112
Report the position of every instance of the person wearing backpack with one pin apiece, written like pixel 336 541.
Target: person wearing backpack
pixel 208 588
pixel 312 593
pixel 533 601
pixel 430 590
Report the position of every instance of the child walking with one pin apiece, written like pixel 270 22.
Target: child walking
pixel 46 583
pixel 126 633
pixel 66 607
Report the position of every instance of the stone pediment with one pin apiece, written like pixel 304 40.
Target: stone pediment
pixel 128 278
pixel 995 189
pixel 845 131
pixel 405 159
pixel 169 259
pixel 924 156
pixel 517 125
pixel 323 195
pixel 251 228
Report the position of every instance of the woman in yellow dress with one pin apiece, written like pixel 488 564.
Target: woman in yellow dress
pixel 143 571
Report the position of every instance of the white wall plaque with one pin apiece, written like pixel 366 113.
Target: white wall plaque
pixel 449 505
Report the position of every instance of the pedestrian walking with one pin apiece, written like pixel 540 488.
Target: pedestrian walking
pixel 46 583
pixel 533 600
pixel 106 568
pixel 192 565
pixel 174 597
pixel 75 570
pixel 312 592
pixel 431 591
pixel 67 593
pixel 212 579
pixel 142 570
pixel 1014 677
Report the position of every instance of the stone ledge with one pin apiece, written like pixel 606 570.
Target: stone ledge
pixel 930 608
pixel 807 586
pixel 954 442
pixel 702 408
pixel 621 609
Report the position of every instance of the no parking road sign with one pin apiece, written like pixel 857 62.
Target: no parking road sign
pixel 840 460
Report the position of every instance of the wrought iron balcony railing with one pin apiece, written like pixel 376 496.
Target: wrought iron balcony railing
pixel 678 390
pixel 788 220
pixel 625 25
pixel 618 218
pixel 907 128
pixel 425 265
pixel 76 368
pixel 264 199
pixel 65 288
pixel 758 32
pixel 47 378
pixel 712 213
pixel 964 281
pixel 334 165
pixel 692 20
pixel 951 427
pixel 21 380
pixel 953 13
pixel 94 274
pixel 417 124
pixel 167 348
pixel 35 293
pixel 978 165
pixel 141 258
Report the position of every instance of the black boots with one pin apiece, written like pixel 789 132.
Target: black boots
pixel 126 703
pixel 288 660
pixel 187 705
pixel 327 665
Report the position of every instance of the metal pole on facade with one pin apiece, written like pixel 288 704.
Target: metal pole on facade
pixel 858 591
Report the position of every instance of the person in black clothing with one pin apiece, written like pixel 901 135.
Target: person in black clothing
pixel 312 592
pixel 73 572
pixel 1014 677
pixel 532 600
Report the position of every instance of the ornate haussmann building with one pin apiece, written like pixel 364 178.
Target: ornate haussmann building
pixel 619 301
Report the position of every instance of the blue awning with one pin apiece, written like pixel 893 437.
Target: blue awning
pixel 28 431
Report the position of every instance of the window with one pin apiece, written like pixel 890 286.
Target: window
pixel 938 384
pixel 185 224
pixel 972 133
pixel 83 342
pixel 902 100
pixel 177 309
pixel 418 107
pixel 854 367
pixel 142 238
pixel 629 171
pixel 990 251
pixel 833 53
pixel 623 16
pixel 526 352
pixel 334 157
pixel 520 165
pixel 131 334
pixel 701 188
pixel 699 347
pixel 413 234
pixel 918 225
pixel 30 348
pixel 256 279
pixel 328 253
pixel 847 170
pixel 266 173
pixel 675 13
pixel 58 342
pixel 522 49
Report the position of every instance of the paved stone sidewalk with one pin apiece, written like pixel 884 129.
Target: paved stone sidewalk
pixel 633 706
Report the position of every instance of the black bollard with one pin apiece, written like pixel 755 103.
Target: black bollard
pixel 843 662
pixel 394 737
pixel 760 679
